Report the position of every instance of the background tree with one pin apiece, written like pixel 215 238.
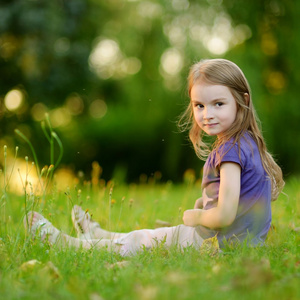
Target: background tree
pixel 112 75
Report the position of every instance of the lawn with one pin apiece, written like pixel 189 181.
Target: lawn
pixel 31 270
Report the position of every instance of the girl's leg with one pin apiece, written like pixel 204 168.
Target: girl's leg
pixel 133 241
pixel 128 244
pixel 88 229
pixel 39 226
pixel 181 236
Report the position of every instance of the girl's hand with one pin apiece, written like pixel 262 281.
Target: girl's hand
pixel 191 217
pixel 198 203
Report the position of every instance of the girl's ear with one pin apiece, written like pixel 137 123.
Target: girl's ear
pixel 247 98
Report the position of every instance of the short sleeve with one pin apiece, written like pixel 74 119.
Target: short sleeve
pixel 230 153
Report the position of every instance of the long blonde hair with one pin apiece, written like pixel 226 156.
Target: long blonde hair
pixel 226 73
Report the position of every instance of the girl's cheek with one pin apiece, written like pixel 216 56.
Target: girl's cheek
pixel 199 117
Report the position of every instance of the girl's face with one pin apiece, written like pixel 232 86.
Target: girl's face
pixel 214 107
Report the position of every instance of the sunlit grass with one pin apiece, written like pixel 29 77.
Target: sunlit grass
pixel 30 269
pixel 267 272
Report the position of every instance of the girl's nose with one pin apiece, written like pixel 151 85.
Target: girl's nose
pixel 207 114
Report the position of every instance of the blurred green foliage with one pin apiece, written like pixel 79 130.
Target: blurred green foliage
pixel 112 76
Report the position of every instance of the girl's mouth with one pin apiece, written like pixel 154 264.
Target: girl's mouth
pixel 211 124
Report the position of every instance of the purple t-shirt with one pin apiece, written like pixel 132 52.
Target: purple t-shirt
pixel 253 217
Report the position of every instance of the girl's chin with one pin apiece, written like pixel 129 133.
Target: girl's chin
pixel 211 133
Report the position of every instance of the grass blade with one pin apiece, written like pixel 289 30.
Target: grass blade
pixel 61 148
pixel 19 133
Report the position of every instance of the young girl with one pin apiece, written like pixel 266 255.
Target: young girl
pixel 240 177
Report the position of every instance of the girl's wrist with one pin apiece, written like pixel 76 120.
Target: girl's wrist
pixel 191 217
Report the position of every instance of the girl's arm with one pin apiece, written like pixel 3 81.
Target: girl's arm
pixel 229 192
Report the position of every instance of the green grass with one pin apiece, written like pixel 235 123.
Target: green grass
pixel 269 272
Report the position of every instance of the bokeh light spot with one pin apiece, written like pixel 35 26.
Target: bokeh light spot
pixel 108 61
pixel 180 5
pixel 74 104
pixel 13 100
pixel 149 9
pixel 217 45
pixel 105 58
pixel 131 65
pixel 106 52
pixel 62 45
pixel 60 117
pixel 171 62
pixel 98 109
pixel 276 82
pixel 38 111
pixel 269 45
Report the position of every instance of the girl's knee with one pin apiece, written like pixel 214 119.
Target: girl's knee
pixel 141 237
pixel 134 242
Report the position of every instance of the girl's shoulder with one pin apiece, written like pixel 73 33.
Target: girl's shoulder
pixel 237 150
pixel 244 142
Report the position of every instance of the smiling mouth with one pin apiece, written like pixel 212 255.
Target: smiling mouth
pixel 210 125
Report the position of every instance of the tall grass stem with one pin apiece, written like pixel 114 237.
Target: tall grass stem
pixel 19 133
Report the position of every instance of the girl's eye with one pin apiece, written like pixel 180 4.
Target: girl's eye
pixel 200 106
pixel 218 104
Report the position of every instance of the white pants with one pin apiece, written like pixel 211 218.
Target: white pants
pixel 181 236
